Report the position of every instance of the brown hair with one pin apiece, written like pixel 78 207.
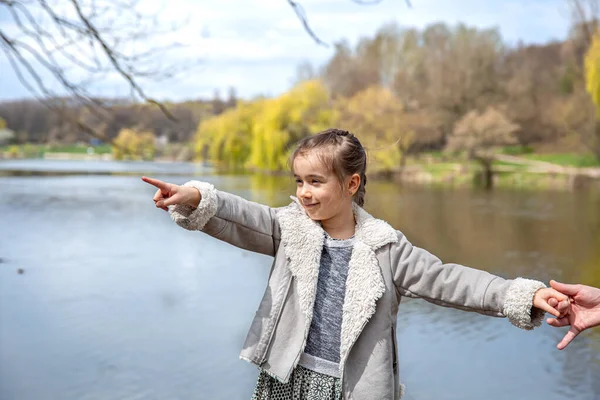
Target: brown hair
pixel 347 156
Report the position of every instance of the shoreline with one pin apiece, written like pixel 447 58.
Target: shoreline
pixel 528 175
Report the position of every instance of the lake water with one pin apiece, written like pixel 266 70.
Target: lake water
pixel 117 302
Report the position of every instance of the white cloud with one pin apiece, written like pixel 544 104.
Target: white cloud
pixel 255 45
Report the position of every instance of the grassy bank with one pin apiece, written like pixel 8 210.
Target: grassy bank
pixel 566 160
pixel 523 171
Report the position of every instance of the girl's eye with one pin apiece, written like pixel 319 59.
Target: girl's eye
pixel 298 181
pixel 315 181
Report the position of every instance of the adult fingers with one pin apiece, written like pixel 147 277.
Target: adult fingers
pixel 563 307
pixel 558 322
pixel 570 290
pixel 553 302
pixel 557 295
pixel 164 186
pixel 572 334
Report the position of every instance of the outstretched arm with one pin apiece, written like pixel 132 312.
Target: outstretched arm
pixel 199 206
pixel 419 273
pixel 583 314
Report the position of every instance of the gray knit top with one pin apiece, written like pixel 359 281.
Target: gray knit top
pixel 322 351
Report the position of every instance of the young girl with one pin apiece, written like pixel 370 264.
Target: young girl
pixel 325 328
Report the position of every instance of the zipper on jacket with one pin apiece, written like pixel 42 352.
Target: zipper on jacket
pixel 347 355
pixel 306 332
pixel 297 360
pixel 277 317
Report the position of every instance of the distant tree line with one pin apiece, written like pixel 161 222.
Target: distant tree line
pixel 402 91
pixel 32 122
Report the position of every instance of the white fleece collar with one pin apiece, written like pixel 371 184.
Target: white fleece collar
pixel 303 241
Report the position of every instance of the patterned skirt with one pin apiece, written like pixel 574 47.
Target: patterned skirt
pixel 304 384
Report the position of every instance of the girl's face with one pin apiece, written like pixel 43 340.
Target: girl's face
pixel 319 189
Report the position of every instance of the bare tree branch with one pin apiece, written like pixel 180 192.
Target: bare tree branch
pixel 79 42
pixel 302 16
pixel 46 101
pixel 304 19
pixel 97 38
pixel 116 63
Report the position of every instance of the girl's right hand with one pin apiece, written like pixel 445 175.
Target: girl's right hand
pixel 169 194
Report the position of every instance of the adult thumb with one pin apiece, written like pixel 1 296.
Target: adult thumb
pixel 564 288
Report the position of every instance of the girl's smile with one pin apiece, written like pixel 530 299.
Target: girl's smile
pixel 318 188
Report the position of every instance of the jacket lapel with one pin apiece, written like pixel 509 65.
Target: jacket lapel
pixel 303 241
pixel 365 284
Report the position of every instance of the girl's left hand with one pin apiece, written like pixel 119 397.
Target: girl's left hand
pixel 551 301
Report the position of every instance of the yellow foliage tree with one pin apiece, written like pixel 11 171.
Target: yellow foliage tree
pixel 226 138
pixel 2 123
pixel 592 71
pixel 377 117
pixel 303 111
pixel 261 134
pixel 132 145
pixel 592 75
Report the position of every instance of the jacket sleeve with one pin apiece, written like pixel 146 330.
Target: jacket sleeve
pixel 242 223
pixel 419 273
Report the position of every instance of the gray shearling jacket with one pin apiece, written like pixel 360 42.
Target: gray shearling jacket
pixel 384 266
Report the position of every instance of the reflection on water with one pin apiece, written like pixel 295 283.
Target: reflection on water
pixel 116 302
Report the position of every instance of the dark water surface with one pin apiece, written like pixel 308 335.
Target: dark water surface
pixel 117 302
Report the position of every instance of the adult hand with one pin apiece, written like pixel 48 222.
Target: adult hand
pixel 169 194
pixel 584 312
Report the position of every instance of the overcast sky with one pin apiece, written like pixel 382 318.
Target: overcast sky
pixel 255 45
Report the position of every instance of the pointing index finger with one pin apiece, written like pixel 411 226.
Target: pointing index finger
pixel 155 182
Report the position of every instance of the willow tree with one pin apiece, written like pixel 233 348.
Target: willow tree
pixel 282 121
pixel 260 134
pixel 480 136
pixel 226 138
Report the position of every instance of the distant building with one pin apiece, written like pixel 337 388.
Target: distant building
pixel 161 141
